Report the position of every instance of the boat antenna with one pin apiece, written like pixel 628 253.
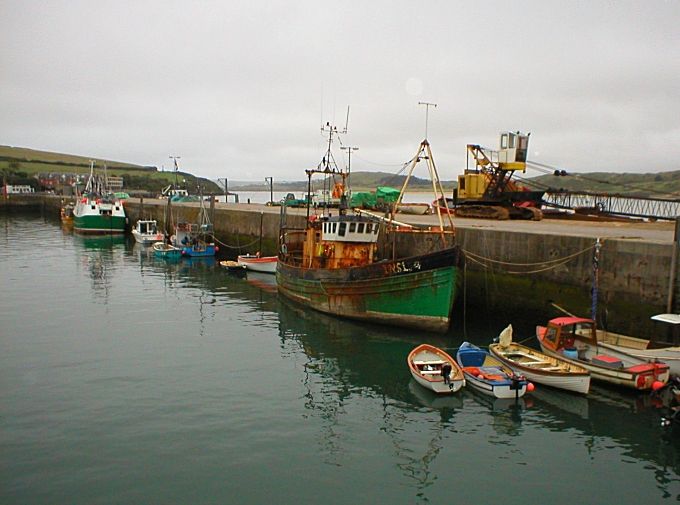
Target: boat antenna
pixel 427 111
pixel 349 150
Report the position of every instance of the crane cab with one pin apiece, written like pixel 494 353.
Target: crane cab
pixel 514 147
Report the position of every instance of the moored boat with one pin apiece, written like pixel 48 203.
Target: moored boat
pixel 196 239
pixel 574 339
pixel 539 367
pixel 488 375
pixel 645 348
pixel 233 267
pixel 419 209
pixel 257 263
pixel 167 251
pixel 146 232
pixel 335 264
pixel 66 214
pixel 434 369
pixel 98 210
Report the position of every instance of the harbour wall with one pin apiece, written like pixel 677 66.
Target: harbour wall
pixel 515 274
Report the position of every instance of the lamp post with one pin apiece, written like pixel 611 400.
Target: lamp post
pixel 270 180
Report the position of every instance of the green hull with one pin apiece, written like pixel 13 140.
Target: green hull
pixel 417 299
pixel 99 224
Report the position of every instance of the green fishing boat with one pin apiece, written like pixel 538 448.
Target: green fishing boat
pixel 347 265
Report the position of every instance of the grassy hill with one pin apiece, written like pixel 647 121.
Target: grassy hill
pixel 21 164
pixel 360 181
pixel 655 185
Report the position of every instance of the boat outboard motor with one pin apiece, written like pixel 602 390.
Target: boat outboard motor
pixel 446 373
pixel 669 395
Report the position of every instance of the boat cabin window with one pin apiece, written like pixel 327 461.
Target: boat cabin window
pixel 511 141
pixel 369 227
pixel 504 141
pixel 93 207
pixel 360 228
pixel 335 226
pixel 352 227
pixel 342 230
pixel 375 229
pixel 551 334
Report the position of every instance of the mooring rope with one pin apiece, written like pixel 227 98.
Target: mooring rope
pixel 546 262
pixel 234 247
pixel 551 264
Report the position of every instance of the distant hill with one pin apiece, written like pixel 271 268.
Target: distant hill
pixel 21 164
pixel 360 181
pixel 31 157
pixel 654 185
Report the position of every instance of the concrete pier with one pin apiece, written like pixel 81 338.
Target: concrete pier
pixel 512 267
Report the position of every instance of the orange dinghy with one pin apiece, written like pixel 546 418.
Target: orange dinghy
pixel 435 370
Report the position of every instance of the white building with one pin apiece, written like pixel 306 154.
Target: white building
pixel 17 189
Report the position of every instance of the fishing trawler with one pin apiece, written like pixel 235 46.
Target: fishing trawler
pixel 196 240
pixel 98 210
pixel 347 264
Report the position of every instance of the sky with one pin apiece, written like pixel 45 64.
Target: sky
pixel 240 90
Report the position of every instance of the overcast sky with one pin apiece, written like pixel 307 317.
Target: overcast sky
pixel 241 89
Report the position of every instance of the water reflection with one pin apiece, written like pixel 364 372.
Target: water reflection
pixel 346 359
pixel 98 257
pixel 342 363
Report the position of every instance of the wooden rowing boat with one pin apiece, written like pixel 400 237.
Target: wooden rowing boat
pixel 257 263
pixel 434 369
pixel 163 250
pixel 539 367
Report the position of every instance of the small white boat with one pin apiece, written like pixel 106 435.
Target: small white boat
pixel 488 375
pixel 435 369
pixel 419 209
pixel 539 367
pixel 146 232
pixel 257 263
pixel 643 348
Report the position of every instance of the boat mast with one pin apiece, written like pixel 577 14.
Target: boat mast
pixel 425 153
pixel 328 166
pixel 90 180
pixel 174 161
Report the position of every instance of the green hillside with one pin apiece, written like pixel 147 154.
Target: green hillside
pixel 20 166
pixel 655 185
pixel 360 181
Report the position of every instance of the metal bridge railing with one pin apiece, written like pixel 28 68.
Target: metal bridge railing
pixel 652 208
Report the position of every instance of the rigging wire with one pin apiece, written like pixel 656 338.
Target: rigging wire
pixel 548 169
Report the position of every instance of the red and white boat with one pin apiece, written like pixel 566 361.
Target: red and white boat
pixel 575 340
pixel 257 263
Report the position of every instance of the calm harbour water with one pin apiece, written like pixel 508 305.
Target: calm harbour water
pixel 128 379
